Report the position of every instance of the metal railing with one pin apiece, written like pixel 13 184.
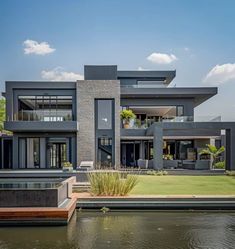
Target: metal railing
pixel 157 85
pixel 143 124
pixel 194 119
pixel 42 115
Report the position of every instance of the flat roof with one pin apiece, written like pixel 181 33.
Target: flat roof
pixel 166 76
pixel 40 84
pixel 199 94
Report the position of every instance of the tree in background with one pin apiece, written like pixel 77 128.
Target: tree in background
pixel 2 112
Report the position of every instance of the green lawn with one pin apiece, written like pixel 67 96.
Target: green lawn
pixel 185 185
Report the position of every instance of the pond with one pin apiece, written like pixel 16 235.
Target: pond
pixel 161 230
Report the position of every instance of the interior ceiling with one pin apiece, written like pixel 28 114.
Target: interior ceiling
pixel 154 110
pixel 31 103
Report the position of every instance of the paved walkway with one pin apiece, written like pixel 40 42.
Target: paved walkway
pixel 86 195
pixel 157 202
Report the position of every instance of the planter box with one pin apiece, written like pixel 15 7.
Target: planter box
pixel 35 192
pixel 67 169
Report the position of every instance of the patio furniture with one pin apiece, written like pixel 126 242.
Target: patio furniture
pixel 86 165
pixel 142 164
pixel 170 164
pixel 150 164
pixel 188 164
pixel 202 164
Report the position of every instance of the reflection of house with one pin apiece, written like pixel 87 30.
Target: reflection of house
pixel 55 122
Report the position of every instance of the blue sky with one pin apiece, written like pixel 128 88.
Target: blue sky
pixel 194 37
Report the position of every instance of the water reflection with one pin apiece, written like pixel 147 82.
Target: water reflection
pixel 128 230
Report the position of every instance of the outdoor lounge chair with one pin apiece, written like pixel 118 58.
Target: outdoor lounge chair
pixel 150 164
pixel 142 164
pixel 170 164
pixel 202 164
pixel 86 165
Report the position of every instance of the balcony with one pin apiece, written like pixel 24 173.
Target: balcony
pixel 42 120
pixel 43 115
pixel 144 124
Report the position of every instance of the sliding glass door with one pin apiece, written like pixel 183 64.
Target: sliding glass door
pixel 57 155
pixel 29 153
pixel 58 152
pixel 44 153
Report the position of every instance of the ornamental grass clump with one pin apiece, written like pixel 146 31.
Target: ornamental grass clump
pixel 111 183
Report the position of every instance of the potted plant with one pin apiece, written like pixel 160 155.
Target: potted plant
pixel 67 167
pixel 138 123
pixel 126 116
pixel 168 157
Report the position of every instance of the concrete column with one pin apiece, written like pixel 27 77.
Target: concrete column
pixel 15 164
pixel 157 148
pixel 43 153
pixel 232 149
pixel 229 149
pixel 73 152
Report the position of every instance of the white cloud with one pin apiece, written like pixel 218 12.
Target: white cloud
pixel 34 47
pixel 58 74
pixel 221 74
pixel 186 49
pixel 160 58
pixel 142 69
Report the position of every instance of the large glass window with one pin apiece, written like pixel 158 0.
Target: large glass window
pixel 29 152
pixel 53 152
pixel 180 111
pixel 45 108
pixel 151 83
pixel 146 115
pixel 183 148
pixel 104 114
pixel 104 152
pixel 57 155
pixel 58 151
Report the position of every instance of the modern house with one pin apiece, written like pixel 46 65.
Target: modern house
pixel 57 122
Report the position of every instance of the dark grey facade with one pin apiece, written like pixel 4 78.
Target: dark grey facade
pixel 58 122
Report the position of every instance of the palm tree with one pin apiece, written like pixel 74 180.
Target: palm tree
pixel 213 151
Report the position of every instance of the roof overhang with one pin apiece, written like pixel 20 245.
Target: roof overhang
pixel 199 94
pixel 164 76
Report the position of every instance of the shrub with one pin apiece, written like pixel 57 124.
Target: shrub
pixel 157 173
pixel 230 173
pixel 111 183
pixel 67 164
pixel 162 173
pixel 220 165
pixel 167 157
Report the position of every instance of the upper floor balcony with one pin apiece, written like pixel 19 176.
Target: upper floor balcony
pixel 42 120
pixel 42 112
pixel 144 124
pixel 43 115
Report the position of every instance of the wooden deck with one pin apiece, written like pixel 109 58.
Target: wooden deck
pixel 32 216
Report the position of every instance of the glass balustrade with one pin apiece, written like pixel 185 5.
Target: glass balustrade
pixel 43 115
pixel 143 124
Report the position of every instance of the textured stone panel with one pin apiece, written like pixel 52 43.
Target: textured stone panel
pixel 87 92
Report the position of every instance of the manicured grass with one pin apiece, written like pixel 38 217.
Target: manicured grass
pixel 185 185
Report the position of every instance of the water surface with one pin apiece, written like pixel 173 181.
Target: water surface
pixel 146 230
